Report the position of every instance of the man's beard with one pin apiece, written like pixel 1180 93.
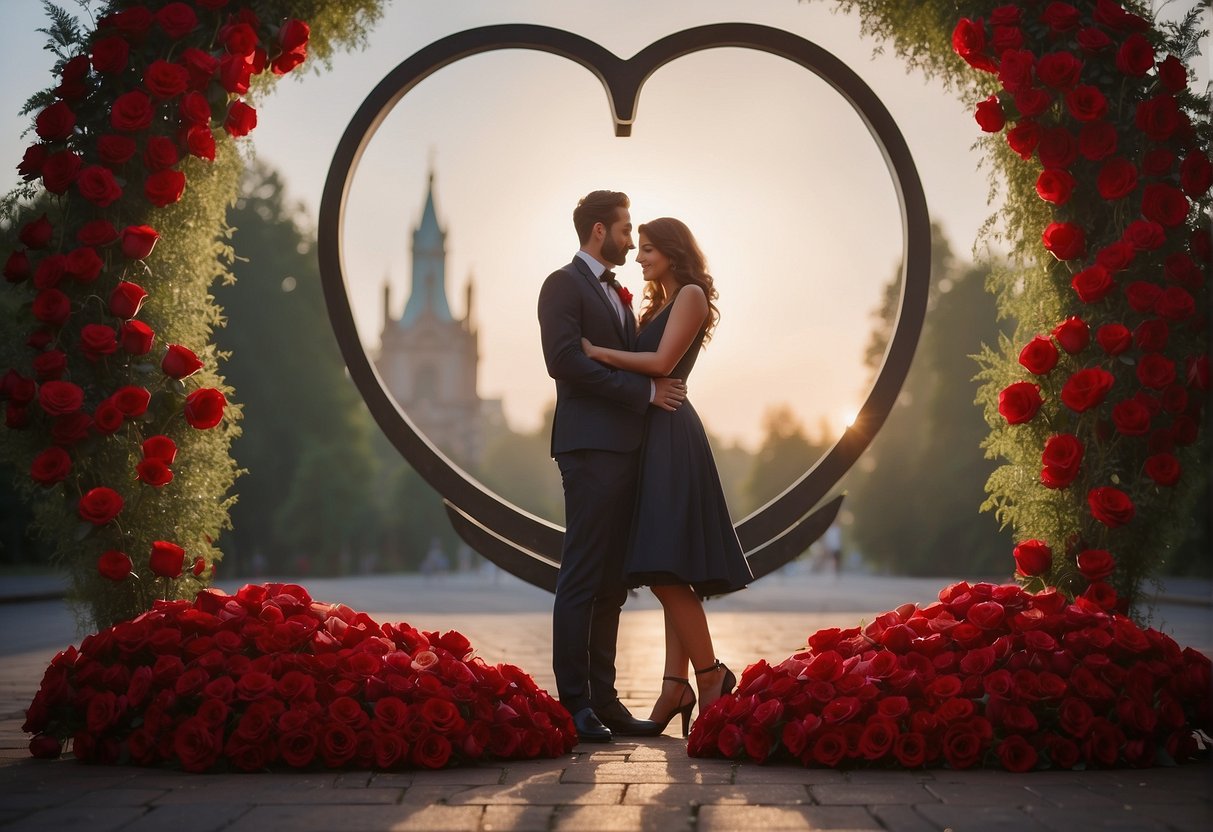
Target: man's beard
pixel 613 253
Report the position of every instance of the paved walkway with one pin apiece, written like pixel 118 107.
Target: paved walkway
pixel 648 784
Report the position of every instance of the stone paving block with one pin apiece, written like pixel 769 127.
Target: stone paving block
pixel 745 774
pixel 656 772
pixel 251 793
pixel 118 797
pixel 89 819
pixel 686 794
pixel 517 818
pixel 994 793
pixel 516 776
pixel 462 776
pixel 393 779
pixel 359 819
pixel 904 819
pixel 207 818
pixel 867 794
pixel 887 775
pixel 998 817
pixel 551 794
pixel 1072 795
pixel 622 819
pixel 1183 817
pixel 733 818
pixel 425 795
pixel 1109 818
pixel 26 801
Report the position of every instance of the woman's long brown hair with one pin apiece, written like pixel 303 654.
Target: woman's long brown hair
pixel 673 239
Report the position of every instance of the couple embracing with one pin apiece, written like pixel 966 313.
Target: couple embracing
pixel 643 501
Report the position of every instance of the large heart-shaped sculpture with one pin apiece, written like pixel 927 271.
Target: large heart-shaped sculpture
pixel 519 542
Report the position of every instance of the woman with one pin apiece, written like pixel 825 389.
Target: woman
pixel 682 544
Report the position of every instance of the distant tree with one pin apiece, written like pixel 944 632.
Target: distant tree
pixel 519 467
pixel 733 462
pixel 914 496
pixel 785 454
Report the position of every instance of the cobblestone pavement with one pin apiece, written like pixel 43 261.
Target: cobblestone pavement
pixel 646 784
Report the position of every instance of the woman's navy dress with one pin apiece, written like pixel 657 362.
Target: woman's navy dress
pixel 681 531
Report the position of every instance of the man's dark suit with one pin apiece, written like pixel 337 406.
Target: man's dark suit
pixel 596 436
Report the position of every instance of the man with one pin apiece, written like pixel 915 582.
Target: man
pixel 596 434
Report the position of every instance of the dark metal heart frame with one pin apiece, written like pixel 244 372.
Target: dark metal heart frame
pixel 517 541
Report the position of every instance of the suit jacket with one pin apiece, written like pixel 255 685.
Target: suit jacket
pixel 597 407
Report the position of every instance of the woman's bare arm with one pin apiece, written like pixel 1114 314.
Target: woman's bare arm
pixel 687 316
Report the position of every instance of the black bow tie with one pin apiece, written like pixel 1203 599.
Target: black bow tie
pixel 606 277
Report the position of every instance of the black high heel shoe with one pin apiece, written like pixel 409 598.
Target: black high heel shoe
pixel 684 709
pixel 728 682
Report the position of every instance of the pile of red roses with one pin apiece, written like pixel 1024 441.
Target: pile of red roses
pixel 1118 384
pixel 988 675
pixel 268 676
pixel 127 118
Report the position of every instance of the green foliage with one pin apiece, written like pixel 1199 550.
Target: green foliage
pixel 786 453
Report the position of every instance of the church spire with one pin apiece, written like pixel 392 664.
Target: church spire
pixel 428 292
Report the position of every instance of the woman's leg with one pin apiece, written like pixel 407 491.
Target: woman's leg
pixel 673 694
pixel 684 616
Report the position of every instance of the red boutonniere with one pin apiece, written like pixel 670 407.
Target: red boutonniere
pixel 624 295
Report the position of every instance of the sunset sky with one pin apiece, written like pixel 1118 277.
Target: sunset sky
pixel 772 170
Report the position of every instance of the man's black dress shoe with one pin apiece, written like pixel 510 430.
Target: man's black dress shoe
pixel 589 727
pixel 620 721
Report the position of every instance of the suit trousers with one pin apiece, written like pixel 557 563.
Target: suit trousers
pixel 599 495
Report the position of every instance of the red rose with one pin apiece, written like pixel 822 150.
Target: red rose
pixel 962 746
pixel 1073 334
pixel 1096 564
pixel 1135 56
pixel 160 153
pixel 58 398
pixel 829 747
pixel 107 418
pixel 1019 402
pixel 1174 399
pixel 1131 417
pixel 37 233
pixel 432 751
pixel 989 115
pixel 1145 235
pixel 30 166
pixel 1023 138
pixel 164 79
pixel 132 111
pixel 114 565
pixel 1086 389
pixel 1116 256
pixel 98 340
pixel 200 142
pixel 115 150
pixel 910 749
pixel 177 20
pixel 1163 468
pixel 1015 69
pixel 83 264
pixel 99 505
pixel 1061 458
pixel 56 122
pixel 1017 754
pixel 1175 304
pixel 1110 506
pixel 241 119
pixel 60 170
pixel 137 337
pixel 234 74
pixel 1064 240
pixel 50 271
pixel 201 66
pixel 126 300
pixel 204 408
pixel 1151 335
pixel 97 184
pixel 50 466
pixel 1114 338
pixel 1117 178
pixel 286 61
pixel 1059 70
pixel 110 54
pixel 1164 204
pixel 197 744
pixel 1033 557
pixel 96 233
pixel 969 42
pixel 153 472
pixel 1181 268
pixel 1158 117
pixel 1060 17
pixel 1039 355
pixel 50 365
pixel 1086 103
pixel 1032 101
pixel 1097 140
pixel 164 187
pixel 167 559
pixel 1057 148
pixel 199 565
pixel 1008 15
pixel 1155 371
pixel 238 38
pixel 1093 284
pixel 195 109
pixel 1195 174
pixel 52 307
pixel 132 400
pixel 1173 74
pixel 293 35
pixel 16 268
pixel 1055 186
pixel 70 429
pixel 180 362
pixel 160 447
